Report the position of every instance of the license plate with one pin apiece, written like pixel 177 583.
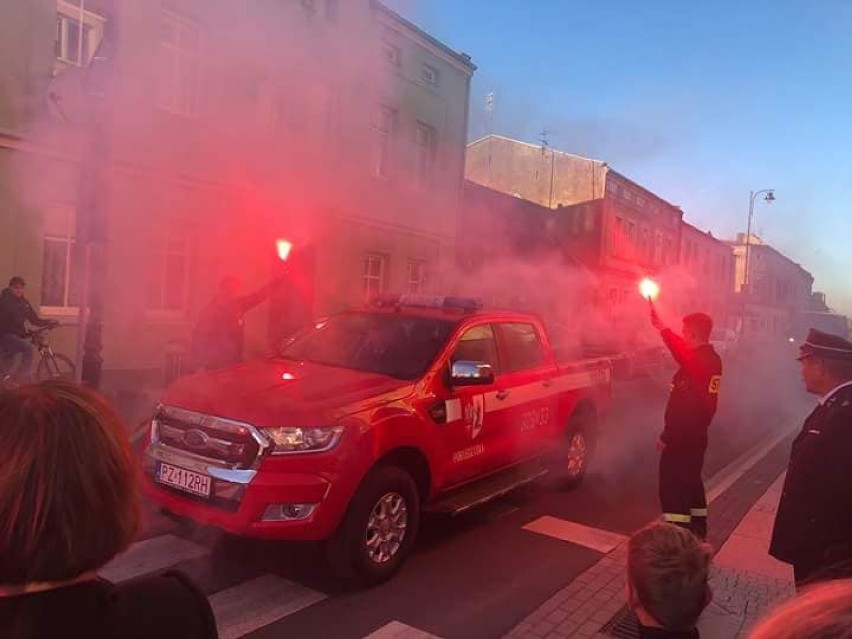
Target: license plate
pixel 182 479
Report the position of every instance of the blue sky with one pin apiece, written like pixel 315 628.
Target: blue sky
pixel 698 101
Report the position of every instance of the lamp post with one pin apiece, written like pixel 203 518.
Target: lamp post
pixel 753 195
pixel 91 209
pixel 745 292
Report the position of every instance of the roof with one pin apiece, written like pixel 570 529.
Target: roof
pixel 644 188
pixel 603 164
pixel 763 245
pixel 534 146
pixel 707 234
pixel 461 58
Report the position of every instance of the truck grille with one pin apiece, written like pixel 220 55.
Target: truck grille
pixel 214 438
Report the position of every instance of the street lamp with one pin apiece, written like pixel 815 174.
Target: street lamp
pixel 753 195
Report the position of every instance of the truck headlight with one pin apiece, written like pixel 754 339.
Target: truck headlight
pixel 304 440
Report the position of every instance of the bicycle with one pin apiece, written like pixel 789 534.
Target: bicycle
pixel 51 365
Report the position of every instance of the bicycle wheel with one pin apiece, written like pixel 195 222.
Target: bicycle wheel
pixel 55 367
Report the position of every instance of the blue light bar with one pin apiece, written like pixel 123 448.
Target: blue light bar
pixel 426 301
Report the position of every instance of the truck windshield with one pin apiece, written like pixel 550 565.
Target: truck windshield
pixel 393 345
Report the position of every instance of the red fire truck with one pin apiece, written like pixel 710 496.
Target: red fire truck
pixel 369 418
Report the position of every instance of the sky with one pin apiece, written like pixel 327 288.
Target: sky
pixel 700 102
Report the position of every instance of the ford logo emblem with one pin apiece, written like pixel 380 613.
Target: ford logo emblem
pixel 195 439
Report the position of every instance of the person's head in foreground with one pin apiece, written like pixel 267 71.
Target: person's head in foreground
pixel 668 570
pixel 823 611
pixel 68 498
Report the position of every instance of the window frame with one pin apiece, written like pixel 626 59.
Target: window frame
pixel 420 265
pixel 497 366
pixel 164 251
pixel 92 23
pixel 367 276
pixel 425 154
pixel 176 58
pixel 70 241
pixel 386 140
pixel 429 74
pixel 503 349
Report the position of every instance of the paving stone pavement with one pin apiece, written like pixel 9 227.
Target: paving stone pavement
pixel 746 582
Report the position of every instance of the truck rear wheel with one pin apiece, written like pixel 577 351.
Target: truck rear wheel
pixel 571 458
pixel 379 528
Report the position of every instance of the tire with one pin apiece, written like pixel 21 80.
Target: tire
pixel 386 490
pixel 570 460
pixel 60 367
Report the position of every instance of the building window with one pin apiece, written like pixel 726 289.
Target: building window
pixel 375 272
pixel 332 10
pixel 73 40
pixel 61 271
pixel 180 44
pixel 386 129
pixel 658 248
pixel 630 234
pixel 425 142
pixel 78 33
pixel 391 53
pixel 416 277
pixel 611 187
pixel 641 202
pixel 647 247
pixel 429 74
pixel 168 277
pixel 617 237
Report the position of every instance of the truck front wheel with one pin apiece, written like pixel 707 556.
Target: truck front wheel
pixel 379 529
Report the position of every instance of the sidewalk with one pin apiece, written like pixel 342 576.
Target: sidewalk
pixel 745 580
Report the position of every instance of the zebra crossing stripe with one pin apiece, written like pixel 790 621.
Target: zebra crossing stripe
pixel 151 555
pixel 397 630
pixel 258 603
pixel 594 538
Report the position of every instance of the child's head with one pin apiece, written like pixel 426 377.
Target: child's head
pixel 668 571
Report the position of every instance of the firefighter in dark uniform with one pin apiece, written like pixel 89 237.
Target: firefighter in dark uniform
pixel 691 407
pixel 218 338
pixel 813 526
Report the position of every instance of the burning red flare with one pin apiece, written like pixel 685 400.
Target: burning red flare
pixel 284 248
pixel 649 289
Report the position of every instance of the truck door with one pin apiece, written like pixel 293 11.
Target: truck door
pixel 525 393
pixel 470 434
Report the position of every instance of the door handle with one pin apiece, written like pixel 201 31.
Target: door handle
pixel 503 394
pixel 547 383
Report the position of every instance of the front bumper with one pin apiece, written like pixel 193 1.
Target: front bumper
pixel 239 498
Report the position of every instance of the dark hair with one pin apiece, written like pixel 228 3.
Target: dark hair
pixel 701 323
pixel 17 280
pixel 68 483
pixel 668 568
pixel 823 611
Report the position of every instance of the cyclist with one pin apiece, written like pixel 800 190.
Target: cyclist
pixel 15 313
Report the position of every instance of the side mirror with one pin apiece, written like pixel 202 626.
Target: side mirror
pixel 466 373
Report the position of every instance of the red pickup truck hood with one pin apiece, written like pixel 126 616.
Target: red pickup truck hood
pixel 283 393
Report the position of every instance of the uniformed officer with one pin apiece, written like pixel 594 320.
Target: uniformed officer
pixel 813 526
pixel 691 407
